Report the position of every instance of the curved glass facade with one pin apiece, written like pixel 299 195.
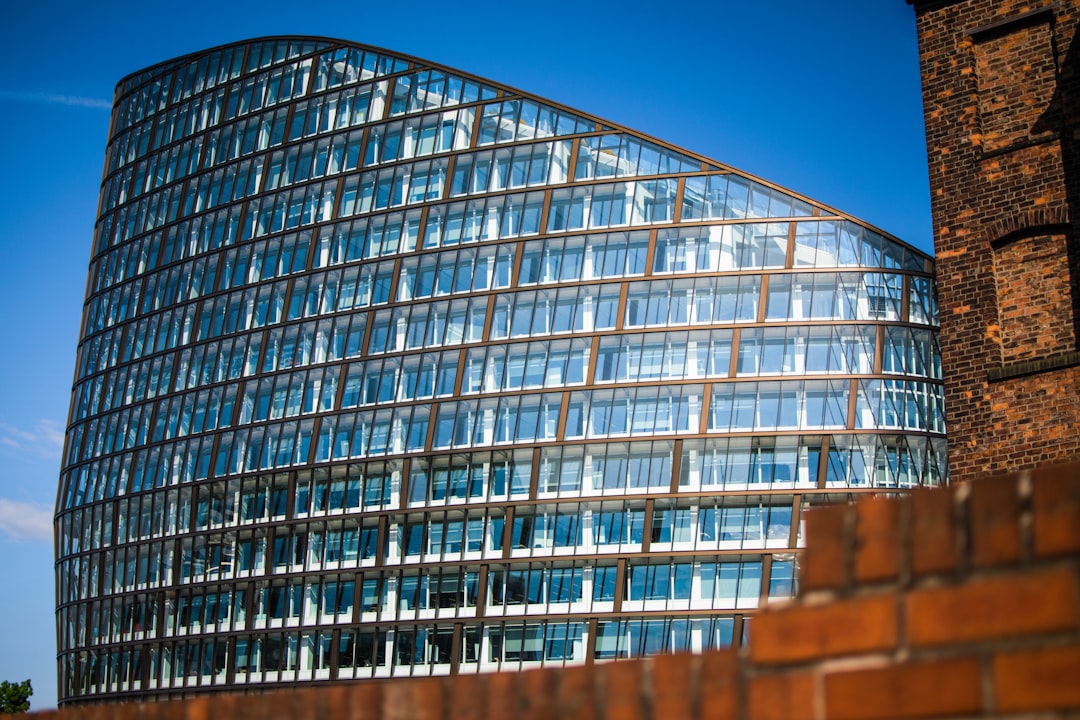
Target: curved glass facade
pixel 389 370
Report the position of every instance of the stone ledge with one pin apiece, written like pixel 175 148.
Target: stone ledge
pixel 1032 367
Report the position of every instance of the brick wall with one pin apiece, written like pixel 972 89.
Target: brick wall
pixel 962 601
pixel 1001 83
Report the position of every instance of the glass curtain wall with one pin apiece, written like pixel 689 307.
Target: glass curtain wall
pixel 389 370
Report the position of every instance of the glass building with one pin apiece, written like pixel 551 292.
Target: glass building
pixel 387 370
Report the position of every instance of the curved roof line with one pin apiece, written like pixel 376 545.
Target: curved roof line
pixel 161 68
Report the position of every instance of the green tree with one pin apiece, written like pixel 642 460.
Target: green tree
pixel 15 697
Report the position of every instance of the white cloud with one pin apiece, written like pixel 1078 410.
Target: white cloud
pixel 50 434
pixel 55 99
pixel 44 440
pixel 23 521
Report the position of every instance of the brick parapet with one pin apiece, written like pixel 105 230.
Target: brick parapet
pixel 961 601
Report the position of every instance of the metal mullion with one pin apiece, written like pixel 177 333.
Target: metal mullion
pixel 365 131
pixel 339 191
pixel 703 424
pixel 266 166
pixel 177 554
pixel 382 538
pixel 489 313
pixel 534 472
pixel 316 428
pixel 905 298
pixel 650 253
pixel 571 167
pixel 515 272
pixel 789 259
pixel 455 648
pixel 335 640
pixel 763 297
pixel 560 432
pixel 590 646
pixel 477 117
pixel 737 631
pixel 481 594
pixel 620 312
pixel 853 396
pixel 766 578
pixel 545 209
pixel 823 461
pixel 451 161
pixel 459 380
pixel 422 227
pixel 392 297
pixel 290 287
pixel 796 515
pixel 733 363
pixel 646 539
pixel 297 62
pixel 879 350
pixel 369 321
pixel 432 422
pixel 620 582
pixel 590 371
pixel 680 188
pixel 676 457
pixel 508 523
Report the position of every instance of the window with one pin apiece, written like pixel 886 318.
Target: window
pixel 1016 73
pixel 1034 297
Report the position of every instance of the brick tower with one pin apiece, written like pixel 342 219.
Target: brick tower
pixel 1001 82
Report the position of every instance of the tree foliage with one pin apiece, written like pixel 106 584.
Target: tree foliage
pixel 15 697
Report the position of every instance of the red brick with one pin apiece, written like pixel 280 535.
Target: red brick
pixel 149 710
pixel 296 702
pixel 718 685
pixel 927 689
pixel 197 708
pixel 177 710
pixel 537 695
pixel 999 224
pixel 796 633
pixel 877 539
pixel 227 706
pixel 413 699
pixel 278 705
pixel 364 700
pixel 622 694
pixel 933 531
pixel 502 695
pixel 791 696
pixel 141 711
pixel 1022 603
pixel 1056 505
pixel 466 697
pixel 824 563
pixel 673 681
pixel 1037 679
pixel 994 521
pixel 576 693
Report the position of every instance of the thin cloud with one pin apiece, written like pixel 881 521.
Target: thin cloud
pixel 45 439
pixel 55 99
pixel 23 521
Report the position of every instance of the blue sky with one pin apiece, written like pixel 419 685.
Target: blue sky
pixel 822 98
